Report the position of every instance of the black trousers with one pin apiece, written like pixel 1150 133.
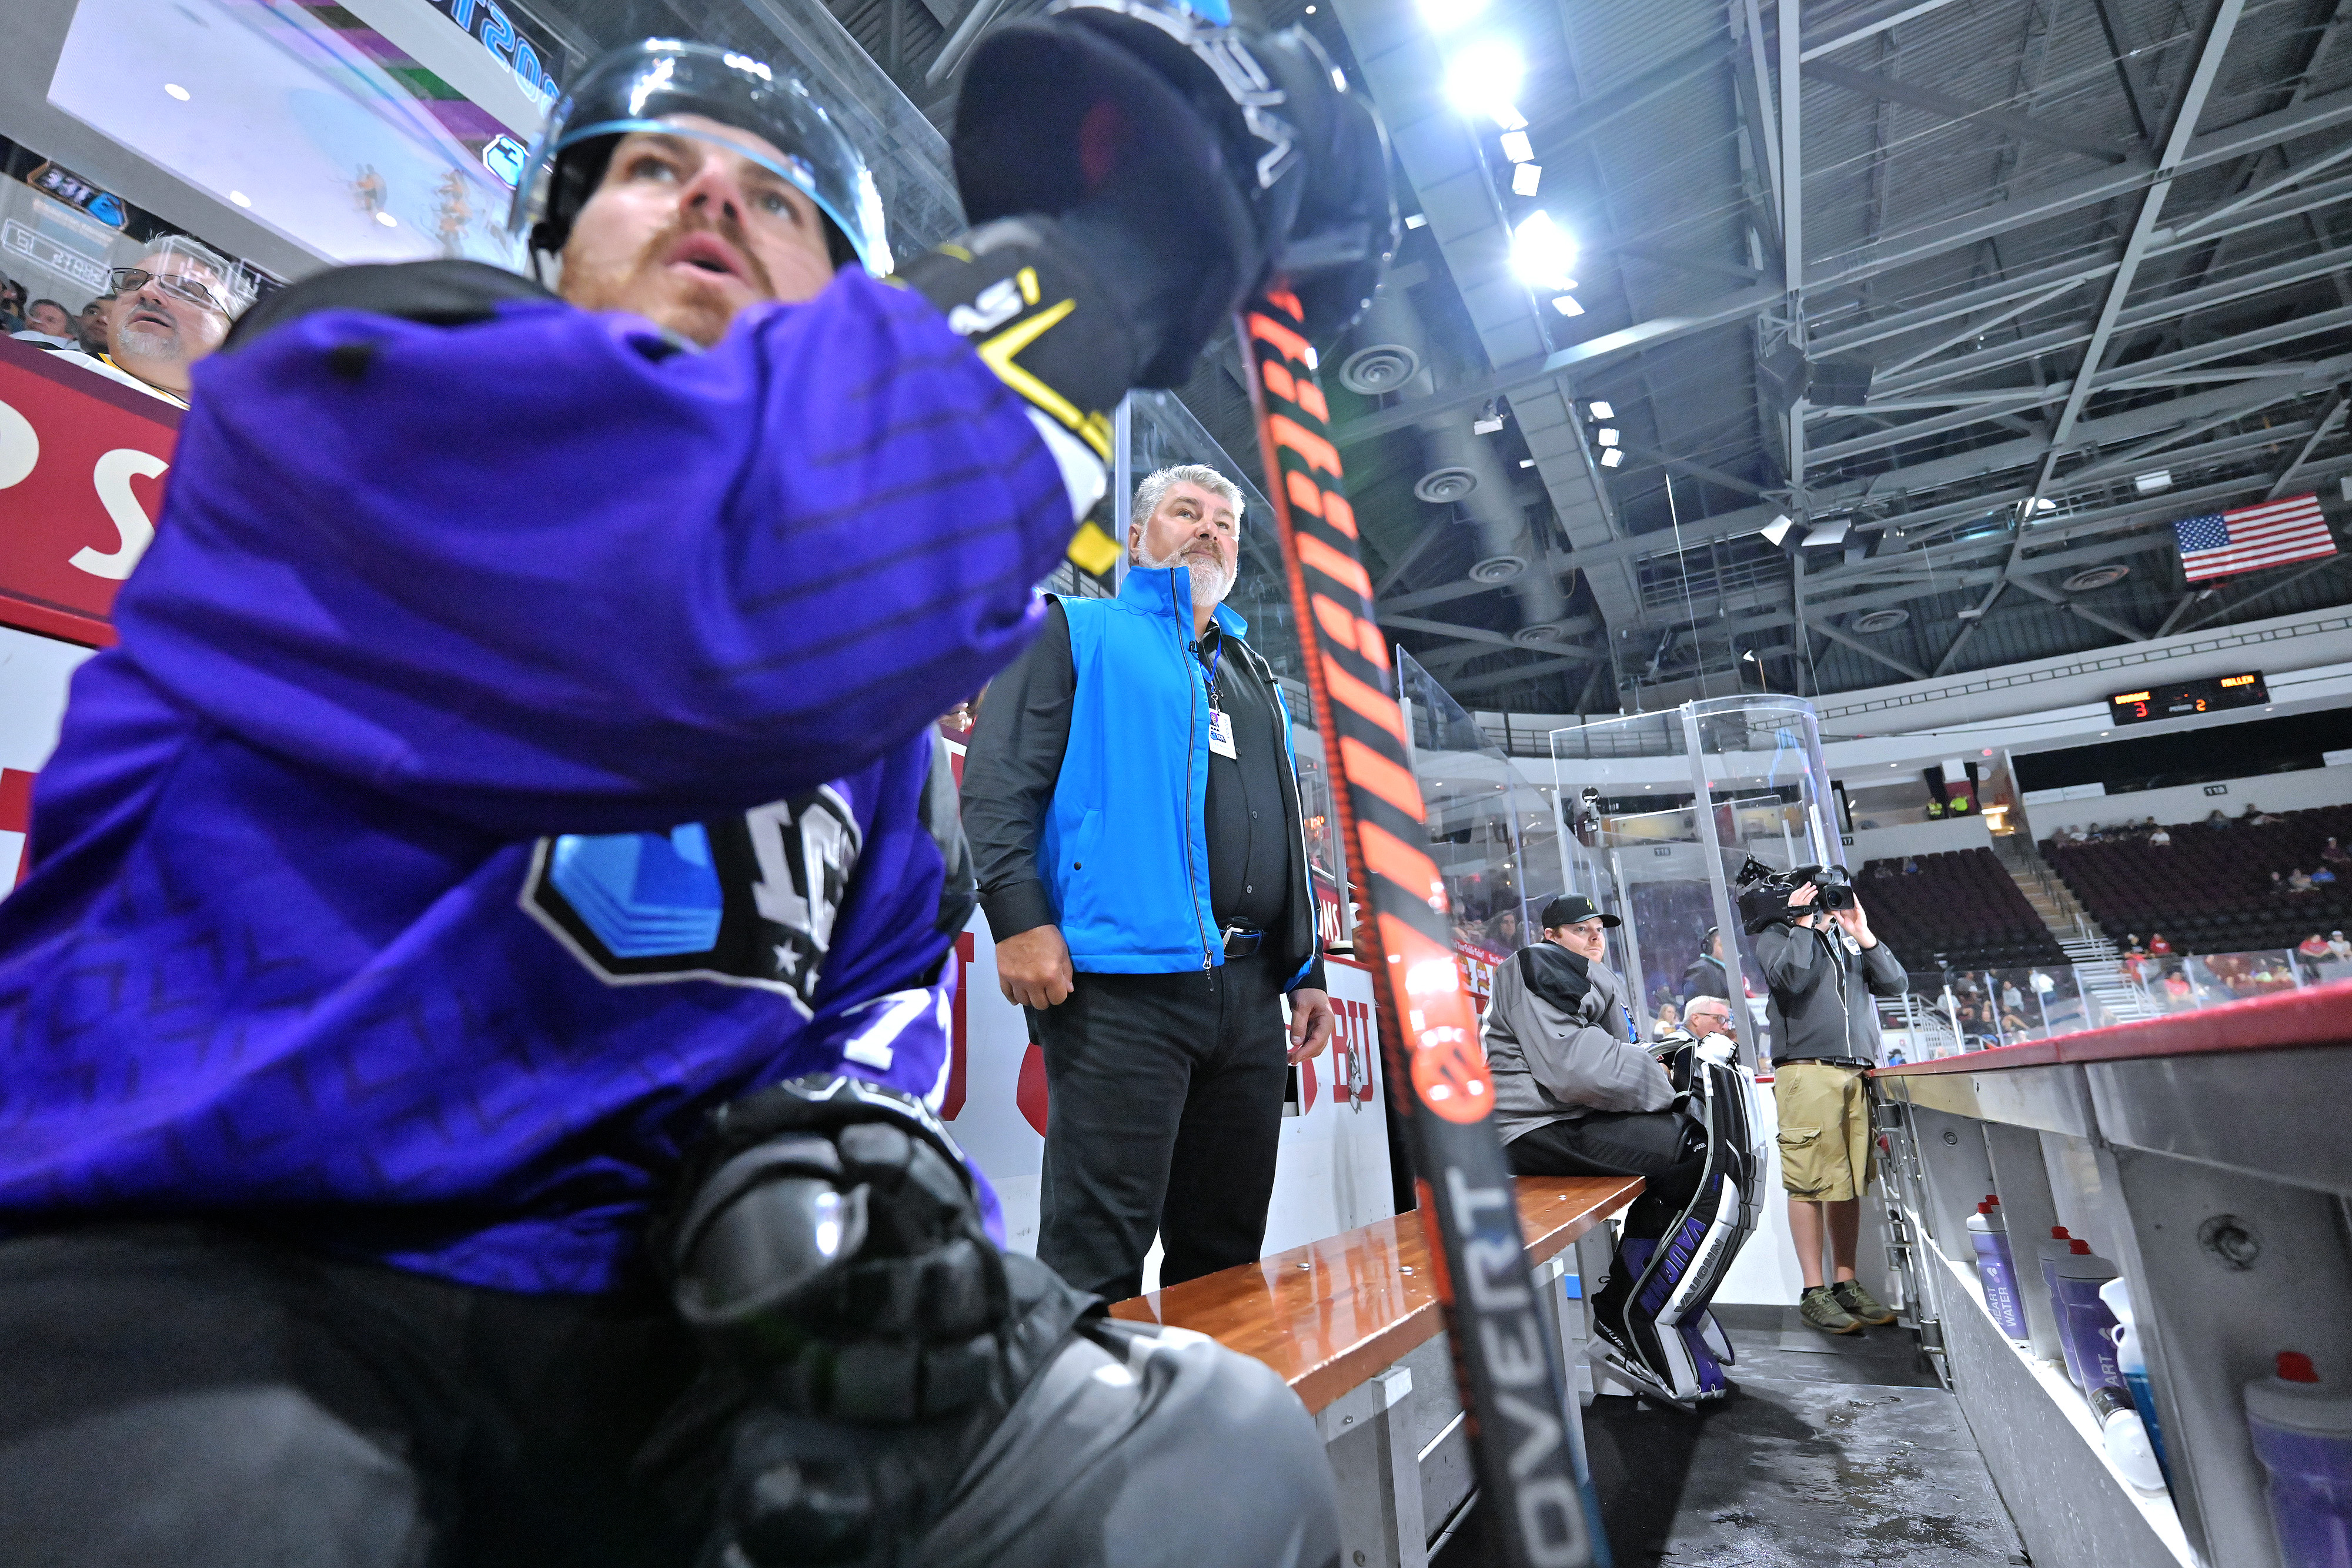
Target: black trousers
pixel 193 1398
pixel 177 1398
pixel 1166 1104
pixel 1665 1148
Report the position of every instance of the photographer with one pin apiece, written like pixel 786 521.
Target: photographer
pixel 1823 963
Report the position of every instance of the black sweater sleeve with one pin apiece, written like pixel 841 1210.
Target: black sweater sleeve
pixel 1009 770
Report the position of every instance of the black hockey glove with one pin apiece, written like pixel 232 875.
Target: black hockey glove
pixel 1230 159
pixel 867 1335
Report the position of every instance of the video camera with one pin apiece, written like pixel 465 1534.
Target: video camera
pixel 1764 892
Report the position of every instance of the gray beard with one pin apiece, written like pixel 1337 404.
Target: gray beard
pixel 145 342
pixel 1210 583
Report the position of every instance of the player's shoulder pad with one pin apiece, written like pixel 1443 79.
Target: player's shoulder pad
pixel 437 293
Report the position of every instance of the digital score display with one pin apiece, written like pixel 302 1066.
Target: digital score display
pixel 2186 698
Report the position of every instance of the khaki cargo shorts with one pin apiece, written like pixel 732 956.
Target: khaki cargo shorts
pixel 1828 1154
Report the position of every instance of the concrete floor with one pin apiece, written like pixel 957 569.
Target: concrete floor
pixel 1836 1451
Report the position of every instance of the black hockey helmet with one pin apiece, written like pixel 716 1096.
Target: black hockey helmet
pixel 644 86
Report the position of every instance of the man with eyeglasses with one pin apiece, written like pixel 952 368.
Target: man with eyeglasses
pixel 169 311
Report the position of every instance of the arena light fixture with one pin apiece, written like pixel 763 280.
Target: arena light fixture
pixel 1599 408
pixel 240 198
pixel 1831 532
pixel 1566 305
pixel 1527 179
pixel 1778 528
pixel 1483 78
pixel 176 91
pixel 1607 435
pixel 1517 147
pixel 1415 220
pixel 1611 457
pixel 1543 254
pixel 387 220
pixel 1445 15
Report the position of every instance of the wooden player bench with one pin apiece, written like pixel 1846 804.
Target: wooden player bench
pixel 1337 1317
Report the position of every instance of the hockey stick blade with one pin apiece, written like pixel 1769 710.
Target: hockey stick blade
pixel 1505 1359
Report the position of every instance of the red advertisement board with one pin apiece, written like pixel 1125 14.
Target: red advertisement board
pixel 82 461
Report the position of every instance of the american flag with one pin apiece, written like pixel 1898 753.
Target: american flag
pixel 2248 538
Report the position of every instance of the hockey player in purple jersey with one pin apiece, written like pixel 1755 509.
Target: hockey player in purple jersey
pixel 472 1024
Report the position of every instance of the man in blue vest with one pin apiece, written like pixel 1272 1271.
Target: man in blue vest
pixel 1133 808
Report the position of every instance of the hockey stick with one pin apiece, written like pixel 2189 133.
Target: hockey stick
pixel 1505 1362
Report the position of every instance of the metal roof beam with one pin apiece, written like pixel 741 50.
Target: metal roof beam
pixel 1521 673
pixel 1874 85
pixel 2049 595
pixel 1839 634
pixel 2303 453
pixel 2217 33
pixel 2308 117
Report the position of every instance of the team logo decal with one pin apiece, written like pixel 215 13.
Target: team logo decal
pixel 743 901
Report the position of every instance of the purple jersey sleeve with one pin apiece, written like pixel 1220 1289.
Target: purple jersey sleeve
pixel 549 573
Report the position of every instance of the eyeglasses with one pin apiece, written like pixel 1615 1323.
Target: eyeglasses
pixel 132 279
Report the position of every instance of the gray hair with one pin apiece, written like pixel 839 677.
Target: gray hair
pixel 1153 487
pixel 233 279
pixel 1709 1004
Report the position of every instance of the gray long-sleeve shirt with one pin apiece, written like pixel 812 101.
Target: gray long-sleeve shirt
pixel 1821 993
pixel 1555 1055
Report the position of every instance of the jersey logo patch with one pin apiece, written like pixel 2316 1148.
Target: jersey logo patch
pixel 742 901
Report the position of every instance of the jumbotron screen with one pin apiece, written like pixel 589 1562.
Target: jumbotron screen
pixel 2186 698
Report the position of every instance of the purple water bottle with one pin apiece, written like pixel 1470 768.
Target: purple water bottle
pixel 1996 1272
pixel 2303 1435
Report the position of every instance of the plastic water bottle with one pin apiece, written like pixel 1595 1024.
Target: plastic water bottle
pixel 2085 1321
pixel 2303 1435
pixel 2050 1252
pixel 2126 1439
pixel 2132 1361
pixel 1996 1271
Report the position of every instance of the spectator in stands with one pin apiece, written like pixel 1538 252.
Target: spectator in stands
pixel 2297 880
pixel 2214 819
pixel 1704 976
pixel 2179 994
pixel 169 311
pixel 90 325
pixel 47 323
pixel 2337 948
pixel 2012 998
pixel 2159 835
pixel 2334 854
pixel 1504 931
pixel 2014 1026
pixel 2159 945
pixel 1911 865
pixel 2321 876
pixel 12 303
pixel 2278 884
pixel 1822 969
pixel 1666 1022
pixel 1165 1050
pixel 2255 817
pixel 2314 951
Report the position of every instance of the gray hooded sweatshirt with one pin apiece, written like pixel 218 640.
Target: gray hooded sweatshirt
pixel 1555 1031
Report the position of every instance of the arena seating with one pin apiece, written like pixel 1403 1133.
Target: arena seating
pixel 1960 907
pixel 2209 890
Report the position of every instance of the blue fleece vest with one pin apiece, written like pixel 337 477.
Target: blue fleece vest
pixel 1124 850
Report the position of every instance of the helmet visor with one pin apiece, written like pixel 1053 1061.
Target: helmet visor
pixel 723 97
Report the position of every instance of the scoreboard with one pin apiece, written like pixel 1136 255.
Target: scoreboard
pixel 2188 697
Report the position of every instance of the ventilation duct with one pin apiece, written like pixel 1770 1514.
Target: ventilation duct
pixel 1461 469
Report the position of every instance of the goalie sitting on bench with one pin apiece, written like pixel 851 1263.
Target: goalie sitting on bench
pixel 1576 1095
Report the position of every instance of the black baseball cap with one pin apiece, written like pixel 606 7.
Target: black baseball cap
pixel 1572 909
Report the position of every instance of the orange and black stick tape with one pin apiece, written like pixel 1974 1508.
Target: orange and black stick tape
pixel 1504 1358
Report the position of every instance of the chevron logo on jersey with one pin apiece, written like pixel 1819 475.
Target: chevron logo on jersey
pixel 742 901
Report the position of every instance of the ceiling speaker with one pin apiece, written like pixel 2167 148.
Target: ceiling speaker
pixel 1444 484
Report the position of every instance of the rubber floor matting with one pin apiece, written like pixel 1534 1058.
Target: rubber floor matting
pixel 1836 1450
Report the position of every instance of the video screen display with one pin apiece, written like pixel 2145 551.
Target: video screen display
pixel 363 130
